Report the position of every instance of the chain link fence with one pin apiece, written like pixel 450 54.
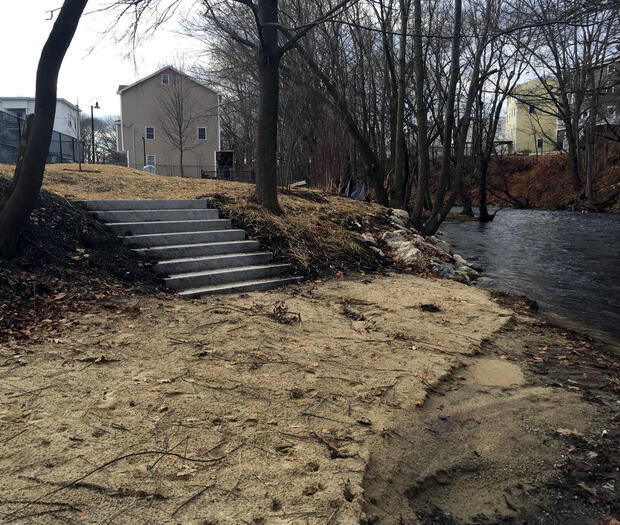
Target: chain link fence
pixel 63 148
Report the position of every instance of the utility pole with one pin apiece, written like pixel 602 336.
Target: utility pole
pixel 79 135
pixel 92 131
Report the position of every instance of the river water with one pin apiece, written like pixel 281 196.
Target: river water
pixel 568 262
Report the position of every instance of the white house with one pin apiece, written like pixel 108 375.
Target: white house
pixel 65 121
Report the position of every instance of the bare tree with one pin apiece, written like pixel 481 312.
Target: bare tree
pixel 268 29
pixel 177 115
pixel 28 177
pixel 572 53
pixel 397 190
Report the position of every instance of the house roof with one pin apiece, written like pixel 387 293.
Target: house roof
pixel 72 106
pixel 122 88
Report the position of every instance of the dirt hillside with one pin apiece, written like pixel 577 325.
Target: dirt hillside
pixel 544 182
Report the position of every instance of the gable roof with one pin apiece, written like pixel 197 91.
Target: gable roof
pixel 31 99
pixel 122 88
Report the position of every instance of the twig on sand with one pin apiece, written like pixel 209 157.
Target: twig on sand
pixel 193 497
pixel 116 460
pixel 335 451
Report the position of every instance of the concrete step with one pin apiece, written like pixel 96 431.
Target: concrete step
pixel 256 285
pixel 170 239
pixel 212 262
pixel 155 215
pixel 227 275
pixel 193 204
pixel 140 228
pixel 181 251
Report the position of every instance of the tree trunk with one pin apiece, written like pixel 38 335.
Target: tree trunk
pixel 484 212
pixel 441 210
pixel 374 170
pixel 397 193
pixel 589 159
pixel 432 223
pixel 421 118
pixel 269 91
pixel 24 191
pixel 466 200
pixel 181 163
pixel 573 148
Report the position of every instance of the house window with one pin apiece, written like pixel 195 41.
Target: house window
pixel 202 133
pixel 611 68
pixel 531 109
pixel 150 133
pixel 539 143
pixel 165 79
pixel 611 111
pixel 151 160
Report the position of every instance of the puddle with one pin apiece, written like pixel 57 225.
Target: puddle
pixel 494 372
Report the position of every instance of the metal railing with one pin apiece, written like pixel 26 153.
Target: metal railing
pixel 63 148
pixel 248 175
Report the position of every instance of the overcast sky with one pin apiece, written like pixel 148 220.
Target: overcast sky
pixel 87 76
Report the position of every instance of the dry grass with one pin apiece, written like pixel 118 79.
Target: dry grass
pixel 317 233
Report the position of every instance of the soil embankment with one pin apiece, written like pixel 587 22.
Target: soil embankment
pixel 544 182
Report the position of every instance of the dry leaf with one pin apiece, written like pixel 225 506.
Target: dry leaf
pixel 185 472
pixel 315 364
pixel 162 408
pixel 568 432
pixel 589 490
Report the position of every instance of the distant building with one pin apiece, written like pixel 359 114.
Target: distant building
pixel 531 119
pixel 606 101
pixel 65 121
pixel 164 113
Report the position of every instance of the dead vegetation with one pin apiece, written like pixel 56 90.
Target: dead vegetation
pixel 317 233
pixel 66 259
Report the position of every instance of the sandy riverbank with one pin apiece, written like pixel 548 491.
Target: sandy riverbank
pixel 366 399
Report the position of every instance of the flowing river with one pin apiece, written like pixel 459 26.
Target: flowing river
pixel 568 262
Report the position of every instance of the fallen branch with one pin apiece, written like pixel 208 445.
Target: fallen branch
pixel 116 460
pixel 335 452
pixel 192 498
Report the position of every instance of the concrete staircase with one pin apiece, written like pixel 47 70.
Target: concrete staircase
pixel 194 251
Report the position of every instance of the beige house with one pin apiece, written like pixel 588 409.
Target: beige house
pixel 531 119
pixel 169 124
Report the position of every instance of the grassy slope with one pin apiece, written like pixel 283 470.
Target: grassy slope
pixel 316 233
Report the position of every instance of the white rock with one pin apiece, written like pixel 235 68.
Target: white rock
pixel 395 239
pixel 411 255
pixel 459 260
pixel 366 237
pixel 441 245
pixel 422 244
pixel 469 271
pixel 402 214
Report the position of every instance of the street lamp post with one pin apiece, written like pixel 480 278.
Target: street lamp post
pixel 92 131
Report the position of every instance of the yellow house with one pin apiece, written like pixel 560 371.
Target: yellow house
pixel 531 119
